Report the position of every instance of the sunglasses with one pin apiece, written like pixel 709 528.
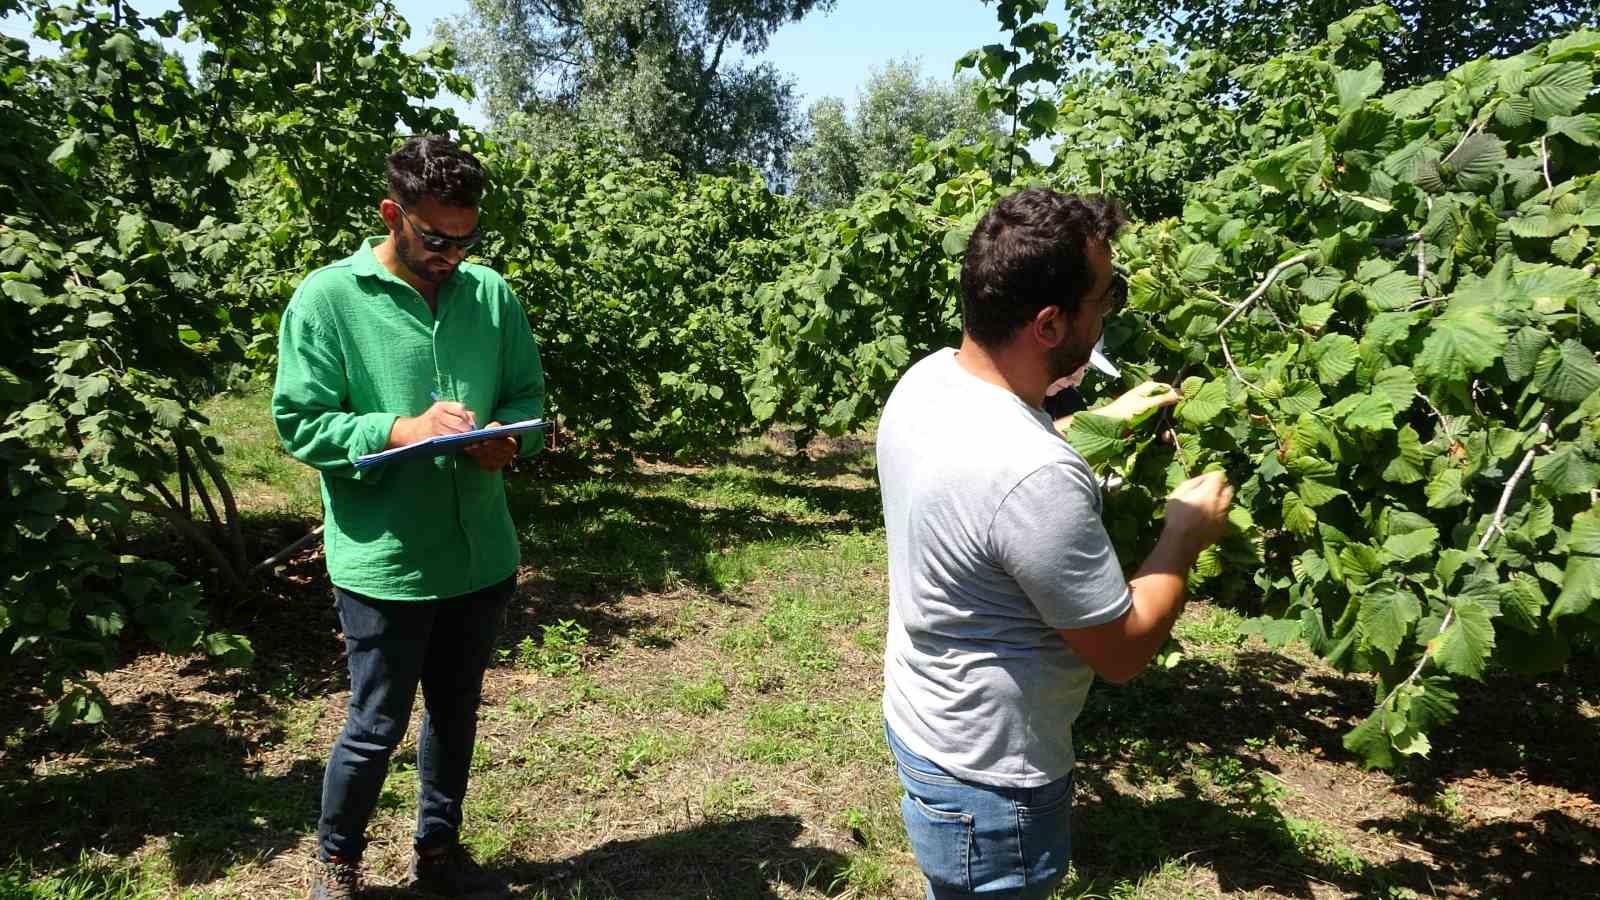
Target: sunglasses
pixel 434 242
pixel 1116 294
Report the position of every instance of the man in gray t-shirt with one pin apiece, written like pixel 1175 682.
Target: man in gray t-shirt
pixel 1006 598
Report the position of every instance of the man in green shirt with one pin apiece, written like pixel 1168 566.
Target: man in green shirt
pixel 402 341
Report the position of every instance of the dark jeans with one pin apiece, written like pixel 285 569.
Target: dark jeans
pixel 392 646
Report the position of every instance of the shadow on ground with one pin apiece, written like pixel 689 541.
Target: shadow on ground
pixel 177 774
pixel 1217 723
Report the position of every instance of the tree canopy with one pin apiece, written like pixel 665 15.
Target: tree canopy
pixel 841 152
pixel 1436 35
pixel 655 77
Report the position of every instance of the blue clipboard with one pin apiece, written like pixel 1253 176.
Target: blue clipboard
pixel 448 443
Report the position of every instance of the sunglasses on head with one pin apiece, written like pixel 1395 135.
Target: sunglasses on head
pixel 434 242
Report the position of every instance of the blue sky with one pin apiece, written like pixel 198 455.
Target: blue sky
pixel 828 54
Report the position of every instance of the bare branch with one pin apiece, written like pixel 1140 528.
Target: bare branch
pixel 229 506
pixel 1272 275
pixel 194 533
pixel 288 551
pixel 1422 254
pixel 1261 289
pixel 1544 160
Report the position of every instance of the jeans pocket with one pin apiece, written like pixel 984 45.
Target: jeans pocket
pixel 1045 833
pixel 941 840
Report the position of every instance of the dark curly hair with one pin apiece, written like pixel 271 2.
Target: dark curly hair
pixel 430 165
pixel 1028 252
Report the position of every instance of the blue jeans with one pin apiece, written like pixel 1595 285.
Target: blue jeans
pixel 391 647
pixel 978 840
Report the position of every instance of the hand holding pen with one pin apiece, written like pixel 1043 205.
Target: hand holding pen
pixel 443 417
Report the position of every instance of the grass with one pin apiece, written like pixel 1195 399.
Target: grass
pixel 684 703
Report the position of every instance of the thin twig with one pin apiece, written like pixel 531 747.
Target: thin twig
pixel 1443 425
pixel 1544 159
pixel 1496 526
pixel 1422 254
pixel 288 551
pixel 1470 129
pixel 1261 289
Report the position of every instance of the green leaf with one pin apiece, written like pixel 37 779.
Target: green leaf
pixel 1300 397
pixel 24 292
pixel 1196 262
pixel 1096 437
pixel 1413 101
pixel 1317 479
pixel 1371 412
pixel 1335 356
pixel 1412 544
pixel 1361 563
pixel 218 159
pixel 130 230
pixel 1580 587
pixel 1566 470
pixel 1297 516
pixel 1584 129
pixel 1398 384
pixel 1386 616
pixel 1522 352
pixel 1514 112
pixel 1444 491
pixel 1558 89
pixel 1463 648
pixel 1570 375
pixel 1407 466
pixel 1354 86
pixel 1477 161
pixel 955 241
pixel 1204 405
pixel 1396 290
pixel 1370 741
pixel 1522 602
pixel 1463 340
pixel 1579 43
pixel 1321 284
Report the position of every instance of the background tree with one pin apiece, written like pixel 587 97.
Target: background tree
pixel 895 108
pixel 653 76
pixel 1436 35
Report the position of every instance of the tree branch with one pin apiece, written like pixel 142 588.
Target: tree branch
pixel 1496 526
pixel 288 551
pixel 194 533
pixel 1544 160
pixel 1261 289
pixel 229 506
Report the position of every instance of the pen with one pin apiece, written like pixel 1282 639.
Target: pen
pixel 437 397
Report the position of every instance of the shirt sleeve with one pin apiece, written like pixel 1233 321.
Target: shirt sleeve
pixel 1048 535
pixel 308 400
pixel 521 374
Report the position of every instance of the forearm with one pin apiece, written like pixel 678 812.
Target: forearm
pixel 1118 650
pixel 1159 589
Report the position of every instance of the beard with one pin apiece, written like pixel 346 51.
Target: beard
pixel 1071 355
pixel 427 266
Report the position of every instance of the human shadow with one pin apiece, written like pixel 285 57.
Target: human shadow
pixel 188 780
pixel 727 858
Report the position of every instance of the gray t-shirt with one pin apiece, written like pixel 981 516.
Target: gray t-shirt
pixel 995 542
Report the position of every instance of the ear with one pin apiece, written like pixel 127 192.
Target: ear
pixel 390 212
pixel 1049 326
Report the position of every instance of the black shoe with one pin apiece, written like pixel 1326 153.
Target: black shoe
pixel 336 879
pixel 452 872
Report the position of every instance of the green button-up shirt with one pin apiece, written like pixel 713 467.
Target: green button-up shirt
pixel 359 348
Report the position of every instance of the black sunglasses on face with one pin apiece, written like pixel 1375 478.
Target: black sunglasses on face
pixel 434 242
pixel 1116 295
